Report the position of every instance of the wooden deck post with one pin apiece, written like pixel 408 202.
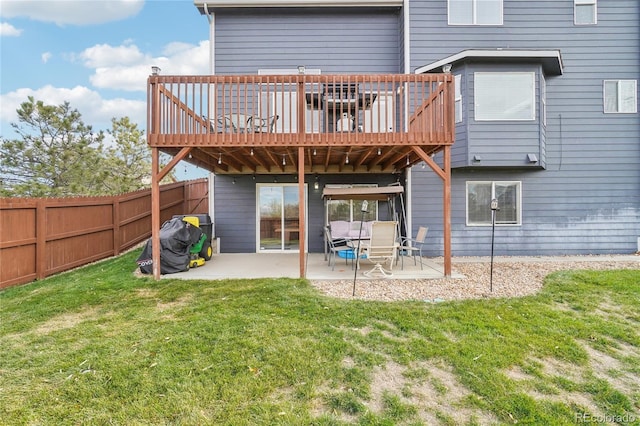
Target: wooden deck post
pixel 155 212
pixel 301 193
pixel 446 191
pixel 302 214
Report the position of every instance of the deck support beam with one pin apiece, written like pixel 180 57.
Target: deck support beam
pixel 157 174
pixel 155 212
pixel 302 205
pixel 445 174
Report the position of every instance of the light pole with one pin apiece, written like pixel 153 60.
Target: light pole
pixel 363 210
pixel 494 207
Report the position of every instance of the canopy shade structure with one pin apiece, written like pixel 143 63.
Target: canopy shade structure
pixel 379 193
pixel 363 193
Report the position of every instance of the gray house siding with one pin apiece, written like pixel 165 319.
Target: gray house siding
pixel 583 195
pixel 587 200
pixel 554 221
pixel 235 215
pixel 336 41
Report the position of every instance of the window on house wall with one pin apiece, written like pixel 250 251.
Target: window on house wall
pixel 475 12
pixel 504 96
pixel 585 12
pixel 479 196
pixel 458 98
pixel 620 96
pixel 349 210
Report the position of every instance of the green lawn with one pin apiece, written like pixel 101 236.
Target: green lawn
pixel 101 346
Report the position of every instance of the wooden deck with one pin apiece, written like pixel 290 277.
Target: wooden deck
pixel 345 123
pixel 301 124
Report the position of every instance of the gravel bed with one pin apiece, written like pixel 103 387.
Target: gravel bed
pixel 515 278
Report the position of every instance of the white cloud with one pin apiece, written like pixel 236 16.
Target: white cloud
pixel 126 68
pixel 95 110
pixel 8 30
pixel 104 55
pixel 46 56
pixel 184 59
pixel 72 12
pixel 110 73
pixel 131 79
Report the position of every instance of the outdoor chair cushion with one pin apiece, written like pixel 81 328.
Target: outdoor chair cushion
pixel 351 230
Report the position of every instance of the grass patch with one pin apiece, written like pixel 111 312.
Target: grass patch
pixel 99 346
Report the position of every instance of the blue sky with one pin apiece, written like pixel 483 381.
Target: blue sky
pixel 96 54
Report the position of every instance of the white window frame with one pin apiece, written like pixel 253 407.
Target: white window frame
pixel 258 247
pixel 458 97
pixel 493 184
pixel 628 88
pixel 474 4
pixel 484 116
pixel 577 4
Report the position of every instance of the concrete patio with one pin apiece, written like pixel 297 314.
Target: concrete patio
pixel 275 265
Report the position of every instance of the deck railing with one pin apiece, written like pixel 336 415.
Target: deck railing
pixel 300 110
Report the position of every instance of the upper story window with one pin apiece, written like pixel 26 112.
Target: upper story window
pixel 585 12
pixel 475 12
pixel 458 97
pixel 504 96
pixel 479 196
pixel 620 96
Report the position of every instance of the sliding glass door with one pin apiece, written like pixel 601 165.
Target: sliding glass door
pixel 278 217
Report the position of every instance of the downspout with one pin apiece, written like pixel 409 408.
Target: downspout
pixel 211 18
pixel 212 70
pixel 407 37
pixel 407 70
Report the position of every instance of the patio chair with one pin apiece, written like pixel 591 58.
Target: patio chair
pixel 337 246
pixel 234 123
pixel 346 123
pixel 244 123
pixel 382 248
pixel 413 246
pixel 262 125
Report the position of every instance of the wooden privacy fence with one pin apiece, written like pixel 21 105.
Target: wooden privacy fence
pixel 43 236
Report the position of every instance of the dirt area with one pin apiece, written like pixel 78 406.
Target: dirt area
pixel 511 278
